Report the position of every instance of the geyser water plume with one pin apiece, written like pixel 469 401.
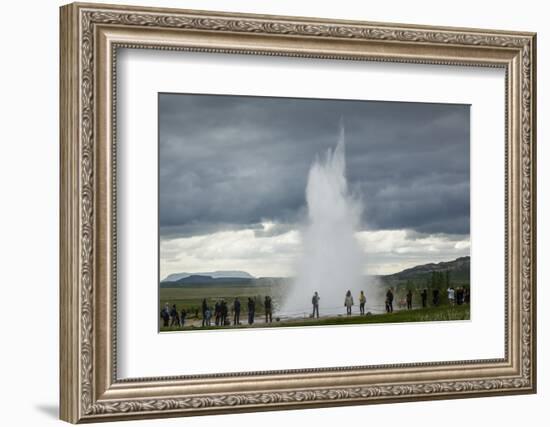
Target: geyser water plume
pixel 332 261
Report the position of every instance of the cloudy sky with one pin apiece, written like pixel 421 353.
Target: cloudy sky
pixel 233 172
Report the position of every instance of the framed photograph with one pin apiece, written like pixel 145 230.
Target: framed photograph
pixel 266 212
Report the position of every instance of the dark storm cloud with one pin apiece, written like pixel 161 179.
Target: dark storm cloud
pixel 229 162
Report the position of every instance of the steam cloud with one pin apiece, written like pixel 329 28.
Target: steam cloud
pixel 332 261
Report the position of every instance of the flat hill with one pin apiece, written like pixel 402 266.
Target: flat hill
pixel 219 279
pixel 220 274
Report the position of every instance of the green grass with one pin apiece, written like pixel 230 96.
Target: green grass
pixel 430 314
pixel 191 298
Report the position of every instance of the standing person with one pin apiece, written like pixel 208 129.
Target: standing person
pixel 268 309
pixel 467 296
pixel 451 295
pixel 362 302
pixel 315 301
pixel 251 309
pixel 389 299
pixel 409 300
pixel 424 296
pixel 183 315
pixel 223 313
pixel 174 316
pixel 236 312
pixel 435 295
pixel 207 317
pixel 460 296
pixel 204 308
pixel 348 302
pixel 165 314
pixel 217 313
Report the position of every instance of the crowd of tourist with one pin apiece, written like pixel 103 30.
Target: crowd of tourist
pixel 218 313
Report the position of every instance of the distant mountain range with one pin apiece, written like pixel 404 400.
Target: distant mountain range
pixel 214 278
pixel 213 274
pixel 459 268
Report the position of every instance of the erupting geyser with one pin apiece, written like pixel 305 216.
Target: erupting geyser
pixel 332 261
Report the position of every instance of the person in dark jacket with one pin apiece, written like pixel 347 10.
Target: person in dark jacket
pixel 409 300
pixel 268 309
pixel 174 316
pixel 435 297
pixel 389 300
pixel 236 311
pixel 223 313
pixel 251 309
pixel 460 296
pixel 315 302
pixel 424 296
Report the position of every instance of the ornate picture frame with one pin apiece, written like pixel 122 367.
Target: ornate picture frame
pixel 90 37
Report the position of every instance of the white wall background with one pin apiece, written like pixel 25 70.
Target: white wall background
pixel 29 170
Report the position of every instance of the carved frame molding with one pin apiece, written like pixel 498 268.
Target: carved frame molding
pixel 90 37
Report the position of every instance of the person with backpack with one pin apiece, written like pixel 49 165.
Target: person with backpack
pixel 315 301
pixel 348 302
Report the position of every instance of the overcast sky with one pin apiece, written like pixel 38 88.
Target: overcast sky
pixel 233 172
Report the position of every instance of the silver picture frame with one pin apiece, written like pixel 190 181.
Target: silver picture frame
pixel 91 34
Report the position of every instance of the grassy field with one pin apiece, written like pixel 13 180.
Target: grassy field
pixel 191 298
pixel 429 314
